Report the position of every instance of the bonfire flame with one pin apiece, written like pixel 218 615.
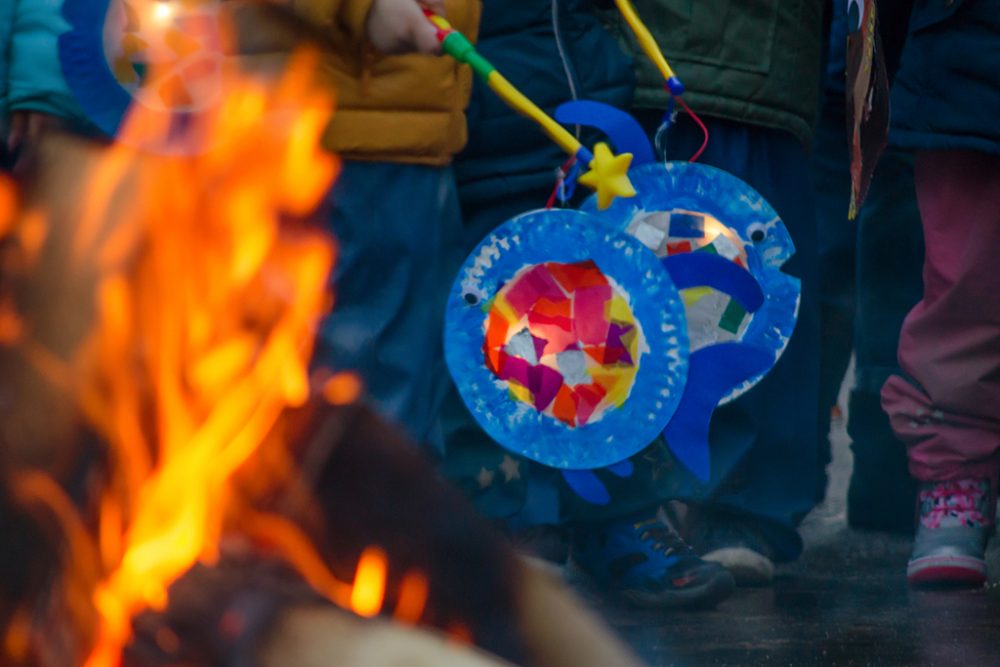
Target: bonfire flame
pixel 207 302
pixel 207 308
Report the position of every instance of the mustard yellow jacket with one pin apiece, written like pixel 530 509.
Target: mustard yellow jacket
pixel 393 108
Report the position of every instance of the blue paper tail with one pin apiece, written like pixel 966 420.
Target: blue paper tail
pixel 713 372
pixel 623 469
pixel 585 484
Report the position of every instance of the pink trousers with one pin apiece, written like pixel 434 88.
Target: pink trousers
pixel 947 411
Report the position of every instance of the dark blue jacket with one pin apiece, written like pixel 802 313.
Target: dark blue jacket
pixel 947 91
pixel 554 51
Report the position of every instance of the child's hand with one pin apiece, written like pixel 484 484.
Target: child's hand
pixel 26 128
pixel 399 26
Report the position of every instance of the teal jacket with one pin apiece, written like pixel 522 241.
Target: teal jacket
pixel 751 61
pixel 31 77
pixel 947 92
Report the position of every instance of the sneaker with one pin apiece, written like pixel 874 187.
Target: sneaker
pixel 734 543
pixel 956 519
pixel 643 559
pixel 748 566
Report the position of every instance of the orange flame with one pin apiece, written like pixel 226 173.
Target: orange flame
pixel 368 593
pixel 206 311
pixel 207 301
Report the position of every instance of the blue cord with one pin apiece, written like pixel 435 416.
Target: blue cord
pixel 568 185
pixel 669 117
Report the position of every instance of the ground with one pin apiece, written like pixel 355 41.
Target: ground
pixel 846 602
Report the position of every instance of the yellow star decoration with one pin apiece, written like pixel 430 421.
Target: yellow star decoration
pixel 608 175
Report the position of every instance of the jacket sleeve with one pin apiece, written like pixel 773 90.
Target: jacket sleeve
pixel 6 27
pixel 34 77
pixel 348 16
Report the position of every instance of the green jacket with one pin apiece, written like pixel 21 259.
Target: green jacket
pixel 752 61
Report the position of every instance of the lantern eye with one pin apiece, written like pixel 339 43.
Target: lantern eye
pixel 757 232
pixel 471 299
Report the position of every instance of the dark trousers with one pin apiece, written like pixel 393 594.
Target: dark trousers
pixel 766 464
pixel 869 279
pixel 397 228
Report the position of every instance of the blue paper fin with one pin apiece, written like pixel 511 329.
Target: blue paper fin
pixel 623 469
pixel 585 484
pixel 623 130
pixel 85 67
pixel 713 372
pixel 702 269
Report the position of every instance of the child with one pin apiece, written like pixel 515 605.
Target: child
pixel 555 52
pixel 398 123
pixel 869 280
pixel 752 73
pixel 946 404
pixel 394 210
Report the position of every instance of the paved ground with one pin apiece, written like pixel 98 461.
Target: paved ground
pixel 845 602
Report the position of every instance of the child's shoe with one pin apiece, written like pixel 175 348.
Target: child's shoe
pixel 956 519
pixel 740 550
pixel 644 560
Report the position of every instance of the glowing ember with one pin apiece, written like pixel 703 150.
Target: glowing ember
pixel 412 598
pixel 342 389
pixel 369 583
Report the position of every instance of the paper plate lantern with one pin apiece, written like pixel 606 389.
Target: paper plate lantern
pixel 688 208
pixel 567 340
pixel 166 55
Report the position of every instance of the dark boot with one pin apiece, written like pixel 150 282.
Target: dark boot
pixel 882 495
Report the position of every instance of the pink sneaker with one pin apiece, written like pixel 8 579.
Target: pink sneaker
pixel 956 520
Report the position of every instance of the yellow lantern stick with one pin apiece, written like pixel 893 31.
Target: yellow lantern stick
pixel 649 46
pixel 608 173
pixel 672 84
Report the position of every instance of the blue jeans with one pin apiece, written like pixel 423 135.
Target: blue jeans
pixel 397 228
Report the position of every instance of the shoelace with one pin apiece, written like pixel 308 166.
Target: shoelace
pixel 965 500
pixel 665 539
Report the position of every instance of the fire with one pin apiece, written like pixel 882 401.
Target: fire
pixel 208 296
pixel 369 584
pixel 206 311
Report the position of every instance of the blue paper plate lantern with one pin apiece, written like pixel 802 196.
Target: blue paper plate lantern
pixel 567 340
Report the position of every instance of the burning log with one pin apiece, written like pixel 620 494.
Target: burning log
pixel 158 315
